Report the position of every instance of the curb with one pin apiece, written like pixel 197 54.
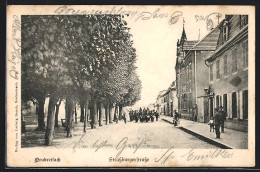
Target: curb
pixel 202 137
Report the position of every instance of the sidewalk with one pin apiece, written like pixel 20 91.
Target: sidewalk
pixel 231 139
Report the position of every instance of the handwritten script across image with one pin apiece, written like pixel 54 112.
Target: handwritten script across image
pixel 130 86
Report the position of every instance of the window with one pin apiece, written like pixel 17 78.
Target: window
pixel 220 100
pixel 183 72
pixel 243 20
pixel 234 60
pixel 184 88
pixel 211 72
pixel 217 69
pixel 190 76
pixel 225 65
pixel 225 33
pixel 234 105
pixel 245 53
pixel 217 102
pixel 225 103
pixel 190 71
pixel 245 104
pixel 184 101
pixel 187 72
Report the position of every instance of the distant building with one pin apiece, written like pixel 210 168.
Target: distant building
pixel 228 72
pixel 160 102
pixel 167 101
pixel 171 100
pixel 192 73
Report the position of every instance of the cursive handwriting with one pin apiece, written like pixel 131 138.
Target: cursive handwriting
pixel 165 156
pixel 16 47
pixel 175 17
pixel 145 15
pixel 222 153
pixel 209 19
pixel 101 144
pixel 144 143
pixel 78 144
pixel 115 10
pixel 16 26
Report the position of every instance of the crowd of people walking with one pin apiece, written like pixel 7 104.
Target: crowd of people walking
pixel 143 115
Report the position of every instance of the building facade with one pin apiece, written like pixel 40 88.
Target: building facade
pixel 228 71
pixel 167 101
pixel 192 73
pixel 171 103
pixel 160 102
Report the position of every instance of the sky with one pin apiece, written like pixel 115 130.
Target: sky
pixel 155 42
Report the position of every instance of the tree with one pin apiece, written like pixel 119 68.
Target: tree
pixel 57 112
pixel 76 58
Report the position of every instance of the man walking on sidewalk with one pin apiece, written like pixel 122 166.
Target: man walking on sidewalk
pixel 222 118
pixel 217 123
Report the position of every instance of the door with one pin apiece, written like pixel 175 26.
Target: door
pixel 206 110
pixel 210 107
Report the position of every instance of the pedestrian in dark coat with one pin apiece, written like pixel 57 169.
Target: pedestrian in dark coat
pixel 124 117
pixel 156 115
pixel 152 116
pixel 222 115
pixel 217 122
pixel 136 116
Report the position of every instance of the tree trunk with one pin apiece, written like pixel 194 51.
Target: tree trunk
pixel 69 107
pixel 115 113
pixel 41 114
pixel 110 113
pixel 94 115
pixel 100 114
pixel 50 121
pixel 76 120
pixel 86 116
pixel 120 112
pixel 106 113
pixel 57 114
pixel 82 111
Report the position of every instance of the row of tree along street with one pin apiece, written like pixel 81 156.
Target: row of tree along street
pixel 82 59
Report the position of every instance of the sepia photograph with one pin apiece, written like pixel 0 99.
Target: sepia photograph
pixel 130 86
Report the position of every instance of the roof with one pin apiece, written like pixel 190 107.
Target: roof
pixel 209 42
pixel 237 36
pixel 161 93
pixel 183 36
pixel 189 45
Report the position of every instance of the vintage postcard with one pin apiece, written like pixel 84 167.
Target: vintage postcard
pixel 130 86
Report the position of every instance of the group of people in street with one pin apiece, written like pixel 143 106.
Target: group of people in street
pixel 218 121
pixel 143 115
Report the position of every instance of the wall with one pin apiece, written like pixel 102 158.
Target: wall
pixel 202 75
pixel 224 85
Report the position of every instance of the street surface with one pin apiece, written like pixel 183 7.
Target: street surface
pixel 158 134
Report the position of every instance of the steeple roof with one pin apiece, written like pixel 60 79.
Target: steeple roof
pixel 183 36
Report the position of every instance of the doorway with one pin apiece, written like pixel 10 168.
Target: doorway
pixel 210 107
